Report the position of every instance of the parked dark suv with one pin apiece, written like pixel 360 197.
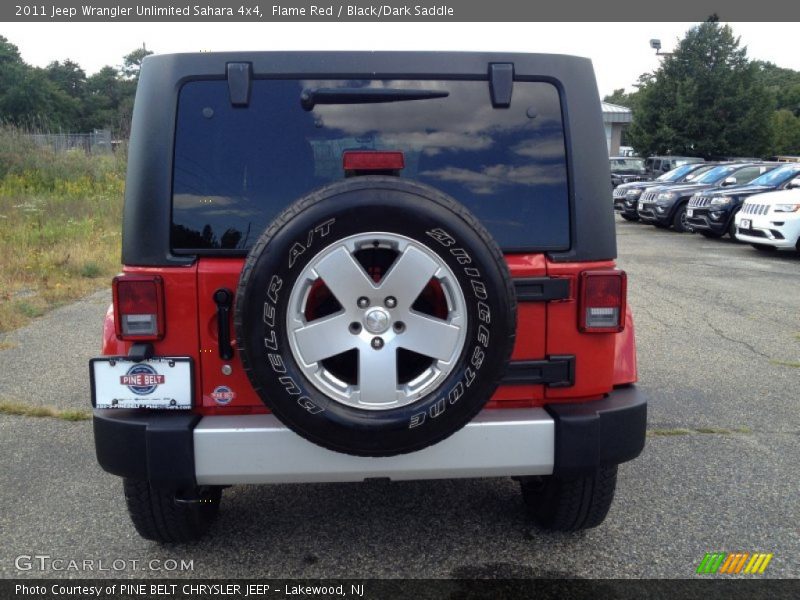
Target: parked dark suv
pixel 712 212
pixel 666 206
pixel 626 196
pixel 346 266
pixel 657 165
pixel 625 169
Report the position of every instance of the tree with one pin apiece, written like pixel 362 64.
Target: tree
pixel 782 84
pixel 627 99
pixel 785 132
pixel 705 100
pixel 68 77
pixel 28 97
pixel 132 63
pixel 62 97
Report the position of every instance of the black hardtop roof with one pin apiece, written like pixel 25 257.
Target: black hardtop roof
pixel 148 194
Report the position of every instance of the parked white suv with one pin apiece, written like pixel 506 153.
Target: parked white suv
pixel 770 221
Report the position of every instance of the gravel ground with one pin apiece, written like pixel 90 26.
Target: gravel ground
pixel 719 472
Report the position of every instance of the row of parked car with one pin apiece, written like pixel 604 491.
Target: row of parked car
pixel 753 201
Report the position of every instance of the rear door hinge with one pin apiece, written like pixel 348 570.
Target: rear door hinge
pixel 501 83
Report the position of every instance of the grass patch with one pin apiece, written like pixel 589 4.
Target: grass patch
pixel 25 410
pixel 60 215
pixel 697 430
pixel 668 432
pixel 786 363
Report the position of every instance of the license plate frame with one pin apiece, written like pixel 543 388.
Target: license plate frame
pixel 689 212
pixel 745 224
pixel 157 385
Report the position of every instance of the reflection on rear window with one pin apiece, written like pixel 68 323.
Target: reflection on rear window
pixel 236 168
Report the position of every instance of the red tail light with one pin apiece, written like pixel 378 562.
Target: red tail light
pixel 602 301
pixel 371 160
pixel 139 307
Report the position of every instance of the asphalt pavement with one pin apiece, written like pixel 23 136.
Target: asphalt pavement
pixel 718 330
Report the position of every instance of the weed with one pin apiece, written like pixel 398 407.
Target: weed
pixel 786 363
pixel 60 215
pixel 667 432
pixel 696 430
pixel 91 270
pixel 29 309
pixel 24 410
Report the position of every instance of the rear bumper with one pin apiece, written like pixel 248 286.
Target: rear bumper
pixel 177 450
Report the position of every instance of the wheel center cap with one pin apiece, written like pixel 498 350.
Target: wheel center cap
pixel 376 320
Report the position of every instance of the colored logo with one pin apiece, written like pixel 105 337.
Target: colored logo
pixel 734 563
pixel 142 379
pixel 222 394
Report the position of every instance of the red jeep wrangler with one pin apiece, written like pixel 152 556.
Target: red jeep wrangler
pixel 341 266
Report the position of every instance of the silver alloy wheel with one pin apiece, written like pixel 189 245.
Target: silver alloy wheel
pixel 376 329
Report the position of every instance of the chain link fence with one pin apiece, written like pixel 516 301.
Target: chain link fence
pixel 97 142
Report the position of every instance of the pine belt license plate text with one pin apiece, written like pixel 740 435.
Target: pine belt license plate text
pixel 745 224
pixel 162 382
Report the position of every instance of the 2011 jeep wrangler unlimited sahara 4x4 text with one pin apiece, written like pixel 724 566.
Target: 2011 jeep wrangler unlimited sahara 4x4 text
pixel 340 266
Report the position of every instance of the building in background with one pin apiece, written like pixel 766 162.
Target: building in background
pixel 615 119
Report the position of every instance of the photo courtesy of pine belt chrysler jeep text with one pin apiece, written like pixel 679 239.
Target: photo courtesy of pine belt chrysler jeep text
pixel 343 266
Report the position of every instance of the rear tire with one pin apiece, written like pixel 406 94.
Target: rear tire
pixel 570 503
pixel 764 247
pixel 158 516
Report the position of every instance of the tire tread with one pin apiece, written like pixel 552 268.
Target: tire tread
pixel 156 516
pixel 571 504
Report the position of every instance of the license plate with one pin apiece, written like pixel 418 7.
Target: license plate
pixel 689 212
pixel 745 224
pixel 641 205
pixel 162 382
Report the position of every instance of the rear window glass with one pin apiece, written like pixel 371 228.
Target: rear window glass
pixel 236 168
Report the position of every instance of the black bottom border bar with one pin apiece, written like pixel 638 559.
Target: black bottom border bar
pixel 701 588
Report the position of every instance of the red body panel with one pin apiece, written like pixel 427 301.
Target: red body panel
pixel 594 352
pixel 543 329
pixel 180 304
pixel 215 273
pixel 531 325
pixel 625 370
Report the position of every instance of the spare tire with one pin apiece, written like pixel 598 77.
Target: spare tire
pixel 375 316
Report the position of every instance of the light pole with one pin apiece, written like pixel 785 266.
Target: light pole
pixel 656 45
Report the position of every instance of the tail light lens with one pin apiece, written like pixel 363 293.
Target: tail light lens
pixel 139 307
pixel 602 301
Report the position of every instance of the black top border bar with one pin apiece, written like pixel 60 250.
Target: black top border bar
pixel 255 11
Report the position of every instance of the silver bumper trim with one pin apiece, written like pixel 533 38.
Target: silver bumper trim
pixel 260 449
